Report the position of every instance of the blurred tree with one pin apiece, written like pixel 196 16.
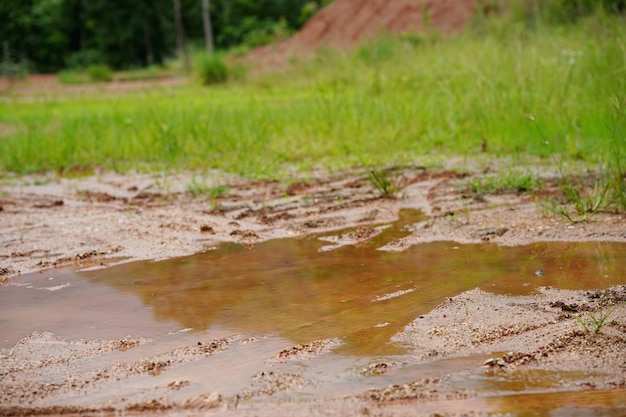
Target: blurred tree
pixel 180 31
pixel 55 34
pixel 131 33
pixel 206 22
pixel 34 30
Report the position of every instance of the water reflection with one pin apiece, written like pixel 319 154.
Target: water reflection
pixel 360 294
pixel 575 403
pixel 65 303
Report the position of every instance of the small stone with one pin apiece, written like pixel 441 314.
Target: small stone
pixel 489 362
pixel 539 272
pixel 491 231
pixel 205 401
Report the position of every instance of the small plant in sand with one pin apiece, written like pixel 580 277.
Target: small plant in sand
pixel 596 321
pixel 216 193
pixel 585 201
pixel 384 180
pixel 196 187
pixel 162 181
pixel 506 181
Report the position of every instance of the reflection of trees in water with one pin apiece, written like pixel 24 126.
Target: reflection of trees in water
pixel 288 287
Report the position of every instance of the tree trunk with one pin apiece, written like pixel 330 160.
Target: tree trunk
pixel 208 29
pixel 180 32
pixel 147 40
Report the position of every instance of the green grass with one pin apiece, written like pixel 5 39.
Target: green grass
pixel 508 180
pixel 383 181
pixel 73 77
pixel 92 74
pixel 392 100
pixel 152 72
pixel 210 68
pixel 100 73
pixel 601 190
pixel 598 320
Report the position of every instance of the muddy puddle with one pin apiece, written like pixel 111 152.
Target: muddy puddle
pixel 290 291
pixel 300 289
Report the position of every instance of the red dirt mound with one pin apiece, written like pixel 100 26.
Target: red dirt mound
pixel 345 23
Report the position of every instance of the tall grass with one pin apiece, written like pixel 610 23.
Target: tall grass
pixel 394 99
pixel 604 189
pixel 211 68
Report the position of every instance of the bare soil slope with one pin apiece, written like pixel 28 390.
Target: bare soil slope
pixel 345 23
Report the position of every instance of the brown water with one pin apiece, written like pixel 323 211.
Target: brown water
pixel 291 292
pixel 596 403
pixel 360 294
pixel 289 288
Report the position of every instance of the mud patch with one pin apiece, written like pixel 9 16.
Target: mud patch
pixel 489 323
pixel 450 350
pixel 550 354
pixel 107 215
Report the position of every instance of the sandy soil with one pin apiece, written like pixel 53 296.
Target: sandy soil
pixel 47 222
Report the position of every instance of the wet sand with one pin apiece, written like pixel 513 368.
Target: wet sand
pixel 475 352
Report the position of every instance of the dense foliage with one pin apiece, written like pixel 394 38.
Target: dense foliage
pixel 55 34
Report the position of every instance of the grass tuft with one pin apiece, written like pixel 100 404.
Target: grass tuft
pixel 384 181
pixel 506 181
pixel 597 321
pixel 99 73
pixel 211 68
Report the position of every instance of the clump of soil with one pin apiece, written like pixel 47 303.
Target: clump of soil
pixel 307 350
